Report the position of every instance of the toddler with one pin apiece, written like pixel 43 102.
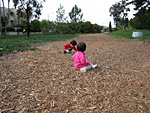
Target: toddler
pixel 79 59
pixel 68 47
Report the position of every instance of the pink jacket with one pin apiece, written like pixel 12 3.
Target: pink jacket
pixel 79 60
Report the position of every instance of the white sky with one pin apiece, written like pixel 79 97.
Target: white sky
pixel 95 11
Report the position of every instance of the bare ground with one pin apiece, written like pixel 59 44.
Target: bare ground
pixel 45 81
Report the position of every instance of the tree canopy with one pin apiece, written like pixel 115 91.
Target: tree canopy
pixel 142 17
pixel 76 14
pixel 61 14
pixel 119 11
pixel 30 7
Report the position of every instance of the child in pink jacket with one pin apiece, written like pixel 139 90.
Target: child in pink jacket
pixel 79 59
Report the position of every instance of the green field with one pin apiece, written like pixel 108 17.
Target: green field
pixel 22 42
pixel 128 34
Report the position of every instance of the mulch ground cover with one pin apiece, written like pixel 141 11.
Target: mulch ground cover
pixel 45 80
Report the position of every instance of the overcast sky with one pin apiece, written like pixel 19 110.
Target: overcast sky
pixel 95 11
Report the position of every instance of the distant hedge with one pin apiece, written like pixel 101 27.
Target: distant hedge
pixel 10 29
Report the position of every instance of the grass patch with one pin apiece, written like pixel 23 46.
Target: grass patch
pixel 128 34
pixel 22 42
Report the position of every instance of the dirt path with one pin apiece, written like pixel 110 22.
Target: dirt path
pixel 46 80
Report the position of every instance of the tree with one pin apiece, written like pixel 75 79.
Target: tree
pixel 115 12
pixel 76 16
pixel 86 27
pixel 125 9
pixel 110 27
pixel 4 18
pixel 60 20
pixel 63 28
pixel 140 4
pixel 142 17
pixel 97 28
pixel 30 7
pixel 141 20
pixel 8 10
pixel 19 14
pixel 72 27
pixel 60 14
pixel 0 19
pixel 119 13
pixel 45 26
pixel 35 26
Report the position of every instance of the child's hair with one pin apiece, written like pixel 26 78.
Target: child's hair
pixel 73 42
pixel 81 46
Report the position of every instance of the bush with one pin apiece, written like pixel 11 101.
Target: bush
pixel 19 30
pixel 45 31
pixel 115 29
pixel 63 28
pixel 32 30
pixel 10 29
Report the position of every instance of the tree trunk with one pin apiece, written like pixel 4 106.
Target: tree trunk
pixel 28 21
pixel 8 11
pixel 4 18
pixel 0 19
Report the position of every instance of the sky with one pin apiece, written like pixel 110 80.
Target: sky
pixel 95 11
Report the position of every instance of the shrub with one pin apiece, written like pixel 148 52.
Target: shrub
pixel 10 29
pixel 115 29
pixel 63 28
pixel 45 31
pixel 19 30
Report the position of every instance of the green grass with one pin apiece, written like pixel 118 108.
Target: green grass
pixel 22 42
pixel 128 34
